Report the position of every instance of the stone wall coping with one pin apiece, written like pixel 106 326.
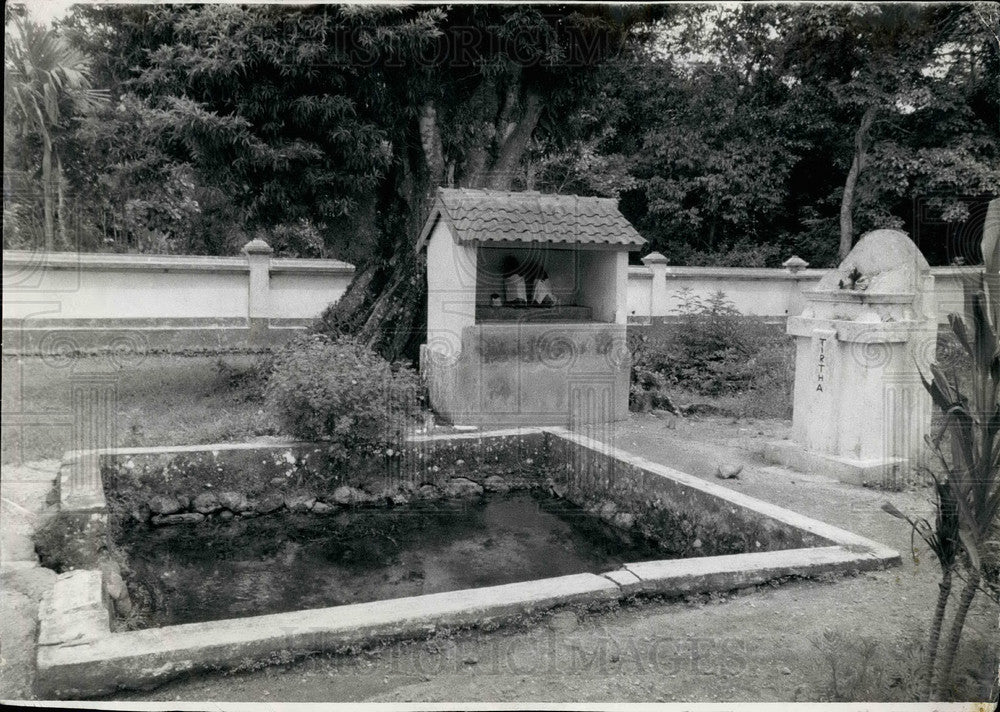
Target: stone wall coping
pixel 475 434
pixel 861 332
pixel 27 259
pixel 769 273
pixel 82 260
pixel 719 573
pixel 160 450
pixel 541 326
pixel 730 273
pixel 858 295
pixel 297 265
pixel 70 455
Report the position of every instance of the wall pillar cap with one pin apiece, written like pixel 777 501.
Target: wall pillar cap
pixel 794 264
pixel 654 258
pixel 257 247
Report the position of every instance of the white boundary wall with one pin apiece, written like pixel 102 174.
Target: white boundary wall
pixel 104 287
pixel 72 286
pixel 655 291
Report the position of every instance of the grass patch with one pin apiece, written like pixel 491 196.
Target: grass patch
pixel 859 668
pixel 164 400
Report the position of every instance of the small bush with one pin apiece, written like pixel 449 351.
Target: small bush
pixel 713 350
pixel 340 391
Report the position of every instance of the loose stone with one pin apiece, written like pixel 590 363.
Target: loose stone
pixel 428 492
pixel 299 503
pixel 233 501
pixel 206 503
pixel 496 483
pixel 462 487
pixel 349 495
pixel 625 520
pixel 161 504
pixel 269 503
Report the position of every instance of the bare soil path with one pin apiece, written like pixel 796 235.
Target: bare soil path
pixel 23 503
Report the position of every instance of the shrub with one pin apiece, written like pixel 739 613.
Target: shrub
pixel 340 391
pixel 713 350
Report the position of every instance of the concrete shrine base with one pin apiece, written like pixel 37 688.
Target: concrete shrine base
pixel 878 471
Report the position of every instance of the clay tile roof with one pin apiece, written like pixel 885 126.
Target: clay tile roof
pixel 483 216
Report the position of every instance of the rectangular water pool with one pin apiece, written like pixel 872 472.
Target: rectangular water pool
pixel 287 561
pixel 399 545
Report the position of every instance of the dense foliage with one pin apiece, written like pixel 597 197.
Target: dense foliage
pixel 732 135
pixel 744 135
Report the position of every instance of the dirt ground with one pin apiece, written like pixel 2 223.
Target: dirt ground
pixel 767 644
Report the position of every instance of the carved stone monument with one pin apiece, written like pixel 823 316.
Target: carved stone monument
pixel 868 330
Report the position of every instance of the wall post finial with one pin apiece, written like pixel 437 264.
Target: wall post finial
pixel 794 264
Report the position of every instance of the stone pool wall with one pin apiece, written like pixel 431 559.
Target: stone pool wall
pixel 189 487
pixel 196 485
pixel 686 521
pixel 173 488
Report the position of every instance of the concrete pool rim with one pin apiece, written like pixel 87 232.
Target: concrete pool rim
pixel 80 656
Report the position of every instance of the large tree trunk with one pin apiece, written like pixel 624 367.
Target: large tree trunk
pixel 430 139
pixel 514 144
pixel 850 185
pixel 385 305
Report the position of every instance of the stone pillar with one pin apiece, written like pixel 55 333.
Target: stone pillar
pixel 258 255
pixel 793 265
pixel 657 263
pixel 868 330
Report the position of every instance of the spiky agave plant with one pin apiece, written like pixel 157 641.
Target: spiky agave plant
pixel 942 539
pixel 973 463
pixel 968 495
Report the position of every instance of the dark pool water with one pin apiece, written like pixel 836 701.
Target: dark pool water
pixel 298 561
